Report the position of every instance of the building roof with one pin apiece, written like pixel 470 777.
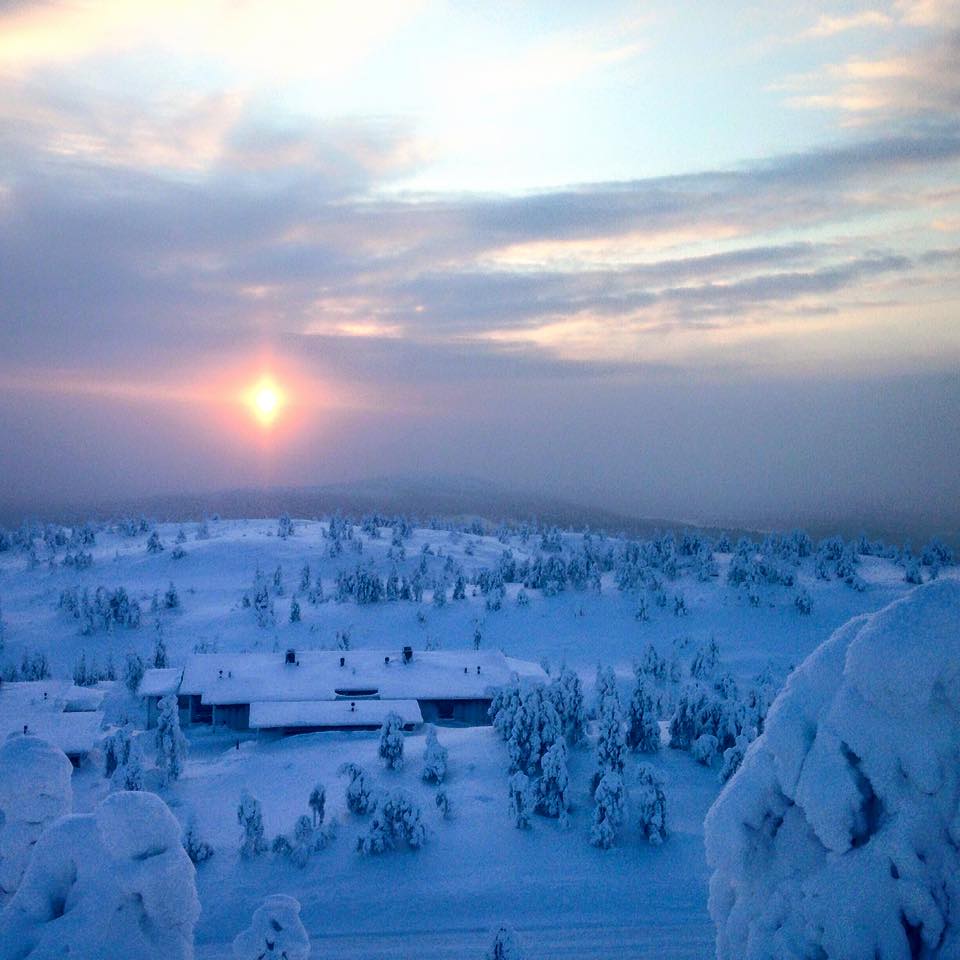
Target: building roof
pixel 160 681
pixel 75 732
pixel 330 713
pixel 222 678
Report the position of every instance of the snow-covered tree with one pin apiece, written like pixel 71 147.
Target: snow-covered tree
pixel 704 749
pixel 839 835
pixel 608 812
pixel 133 672
pixel 504 946
pixel 171 743
pixel 434 758
pixel 359 796
pixel 650 803
pixel 803 601
pixel 153 543
pixel 536 727
pixel 276 930
pixel 285 527
pixel 35 789
pixel 521 800
pixel 504 706
pixel 643 729
pixel 317 804
pixel 553 787
pixel 396 821
pixel 250 818
pixel 112 883
pixel 294 611
pixel 566 695
pixel 391 741
pixel 128 773
pixel 171 599
pixel 733 757
pixel 198 850
pixel 611 744
pixel 159 647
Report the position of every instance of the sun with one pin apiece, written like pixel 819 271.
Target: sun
pixel 265 400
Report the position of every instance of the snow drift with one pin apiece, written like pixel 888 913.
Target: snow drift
pixel 35 789
pixel 112 884
pixel 839 835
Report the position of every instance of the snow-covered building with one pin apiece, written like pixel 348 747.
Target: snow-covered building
pixel 335 690
pixel 67 716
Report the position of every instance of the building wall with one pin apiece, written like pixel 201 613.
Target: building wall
pixel 459 713
pixel 236 716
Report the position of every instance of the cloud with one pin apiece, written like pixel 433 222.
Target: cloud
pixel 828 26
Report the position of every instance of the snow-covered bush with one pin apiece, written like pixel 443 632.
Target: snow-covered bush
pixel 838 837
pixel 396 821
pixel 198 850
pixel 391 741
pixel 651 804
pixel 108 885
pixel 35 790
pixel 275 931
pixel 171 743
pixel 434 758
pixel 521 800
pixel 360 799
pixel 610 800
pixel 504 946
pixel 250 818
pixel 704 749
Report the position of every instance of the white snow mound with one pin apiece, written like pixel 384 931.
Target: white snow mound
pixel 35 789
pixel 839 835
pixel 104 886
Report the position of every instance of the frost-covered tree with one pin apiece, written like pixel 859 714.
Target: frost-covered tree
pixel 171 743
pixel 610 804
pixel 250 819
pixel 536 727
pixel 504 706
pixel 521 800
pixel 803 601
pixel 359 796
pixel 704 749
pixel 396 821
pixel 733 757
pixel 566 695
pixel 611 744
pixel 128 772
pixel 839 836
pixel 434 758
pixel 112 883
pixel 275 931
pixel 317 804
pixel 171 599
pixel 159 647
pixel 643 729
pixel 553 787
pixel 650 803
pixel 391 741
pixel 505 946
pixel 35 789
pixel 285 527
pixel 198 850
pixel 133 672
pixel 294 611
pixel 153 543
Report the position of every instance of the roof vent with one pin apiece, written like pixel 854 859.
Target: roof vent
pixel 478 669
pixel 291 656
pixel 386 661
pixel 407 654
pixel 343 661
pixel 465 670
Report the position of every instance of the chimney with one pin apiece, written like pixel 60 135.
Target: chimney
pixel 291 656
pixel 386 661
pixel 407 654
pixel 343 661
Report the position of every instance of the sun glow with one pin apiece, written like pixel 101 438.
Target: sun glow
pixel 265 400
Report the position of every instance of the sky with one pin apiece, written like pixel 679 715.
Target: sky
pixel 675 259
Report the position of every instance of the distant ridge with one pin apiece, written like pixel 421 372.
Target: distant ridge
pixel 452 498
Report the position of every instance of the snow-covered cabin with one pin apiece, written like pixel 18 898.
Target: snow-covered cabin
pixel 336 690
pixel 67 716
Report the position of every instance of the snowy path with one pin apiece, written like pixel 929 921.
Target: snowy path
pixel 677 938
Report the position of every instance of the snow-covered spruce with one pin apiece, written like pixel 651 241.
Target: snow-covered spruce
pixel 170 741
pixel 643 730
pixel 504 946
pixel 276 930
pixel 198 850
pixel 553 787
pixel 434 758
pixel 608 812
pixel 317 804
pixel 839 835
pixel 566 695
pixel 521 800
pixel 536 727
pixel 650 802
pixel 127 760
pixel 359 796
pixel 396 821
pixel 611 744
pixel 391 741
pixel 113 884
pixel 35 790
pixel 250 818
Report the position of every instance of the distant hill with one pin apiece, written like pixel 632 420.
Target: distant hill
pixel 455 498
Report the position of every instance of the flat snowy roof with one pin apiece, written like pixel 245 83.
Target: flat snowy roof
pixel 221 678
pixel 74 732
pixel 330 713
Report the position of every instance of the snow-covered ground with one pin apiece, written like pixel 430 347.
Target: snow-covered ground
pixel 564 897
